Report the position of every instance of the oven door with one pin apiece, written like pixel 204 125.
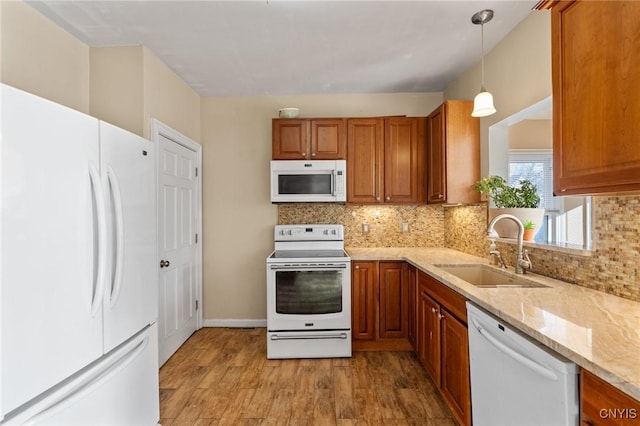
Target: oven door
pixel 310 296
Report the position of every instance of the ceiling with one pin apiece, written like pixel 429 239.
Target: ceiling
pixel 277 47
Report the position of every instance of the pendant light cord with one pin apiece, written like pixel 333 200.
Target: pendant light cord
pixel 482 89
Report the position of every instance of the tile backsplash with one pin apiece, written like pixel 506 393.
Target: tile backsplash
pixel 426 223
pixel 613 267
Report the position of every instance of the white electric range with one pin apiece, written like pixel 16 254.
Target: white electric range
pixel 308 293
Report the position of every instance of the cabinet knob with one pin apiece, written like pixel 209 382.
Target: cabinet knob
pixel 313 154
pixel 377 198
pixel 440 316
pixel 165 263
pixel 357 266
pixel 434 310
pixel 388 198
pixel 304 154
pixel 440 196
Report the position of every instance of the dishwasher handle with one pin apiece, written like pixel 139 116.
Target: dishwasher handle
pixel 533 365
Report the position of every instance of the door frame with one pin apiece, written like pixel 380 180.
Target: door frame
pixel 160 129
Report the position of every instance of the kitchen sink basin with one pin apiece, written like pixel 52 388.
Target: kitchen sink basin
pixel 487 277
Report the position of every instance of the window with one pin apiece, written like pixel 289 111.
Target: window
pixel 567 219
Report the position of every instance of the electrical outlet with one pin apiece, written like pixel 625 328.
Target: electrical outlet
pixel 405 227
pixel 365 228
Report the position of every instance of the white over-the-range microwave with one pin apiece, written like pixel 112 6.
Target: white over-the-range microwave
pixel 316 181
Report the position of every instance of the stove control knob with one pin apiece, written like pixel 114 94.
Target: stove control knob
pixel 334 232
pixel 290 232
pixel 326 232
pixel 282 232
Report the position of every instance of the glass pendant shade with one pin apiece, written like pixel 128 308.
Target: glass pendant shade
pixel 483 104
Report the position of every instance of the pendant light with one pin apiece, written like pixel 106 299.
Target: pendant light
pixel 483 102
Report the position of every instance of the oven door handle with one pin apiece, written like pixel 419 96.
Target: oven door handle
pixel 310 337
pixel 309 267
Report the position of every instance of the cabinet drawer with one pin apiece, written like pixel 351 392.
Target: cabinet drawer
pixel 454 302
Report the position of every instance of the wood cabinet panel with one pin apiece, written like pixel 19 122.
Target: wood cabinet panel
pixel 429 335
pixel 443 343
pixel 596 79
pixel 404 160
pixel 456 383
pixel 328 139
pixel 450 299
pixel 453 154
pixel 603 405
pixel 386 160
pixel 290 139
pixel 394 302
pixel 365 148
pixel 364 300
pixel 312 139
pixel 412 322
pixel 436 170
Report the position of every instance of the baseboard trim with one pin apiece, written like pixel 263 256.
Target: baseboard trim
pixel 234 323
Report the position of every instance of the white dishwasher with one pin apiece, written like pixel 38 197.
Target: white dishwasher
pixel 516 381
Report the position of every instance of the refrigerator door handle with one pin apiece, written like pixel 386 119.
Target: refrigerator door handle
pixel 101 214
pixel 116 284
pixel 517 356
pixel 67 397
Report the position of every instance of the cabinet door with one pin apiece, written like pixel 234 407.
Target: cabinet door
pixel 404 160
pixel 364 300
pixel 394 302
pixel 596 79
pixel 412 285
pixel 453 154
pixel 436 171
pixel 603 405
pixel 328 139
pixel 290 139
pixel 365 149
pixel 455 385
pixel 429 335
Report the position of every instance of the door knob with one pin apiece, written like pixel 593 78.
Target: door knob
pixel 165 263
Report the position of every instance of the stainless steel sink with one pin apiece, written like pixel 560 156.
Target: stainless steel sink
pixel 487 277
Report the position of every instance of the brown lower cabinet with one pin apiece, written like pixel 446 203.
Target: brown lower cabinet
pixel 443 344
pixel 397 307
pixel 603 405
pixel 380 306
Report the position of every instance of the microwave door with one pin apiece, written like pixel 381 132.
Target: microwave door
pixel 307 181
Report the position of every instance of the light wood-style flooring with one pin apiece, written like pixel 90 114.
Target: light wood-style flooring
pixel 221 376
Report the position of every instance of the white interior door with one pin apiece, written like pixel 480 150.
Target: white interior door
pixel 178 216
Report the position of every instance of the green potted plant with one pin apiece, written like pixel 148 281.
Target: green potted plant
pixel 520 200
pixel 529 230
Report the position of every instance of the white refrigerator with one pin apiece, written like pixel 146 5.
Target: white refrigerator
pixel 78 277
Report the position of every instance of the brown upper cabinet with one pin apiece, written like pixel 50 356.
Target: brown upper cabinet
pixel 309 139
pixel 453 154
pixel 596 82
pixel 386 160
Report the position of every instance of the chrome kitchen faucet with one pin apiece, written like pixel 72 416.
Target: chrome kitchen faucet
pixel 522 257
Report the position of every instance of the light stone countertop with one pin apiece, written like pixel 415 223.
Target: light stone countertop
pixel 598 331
